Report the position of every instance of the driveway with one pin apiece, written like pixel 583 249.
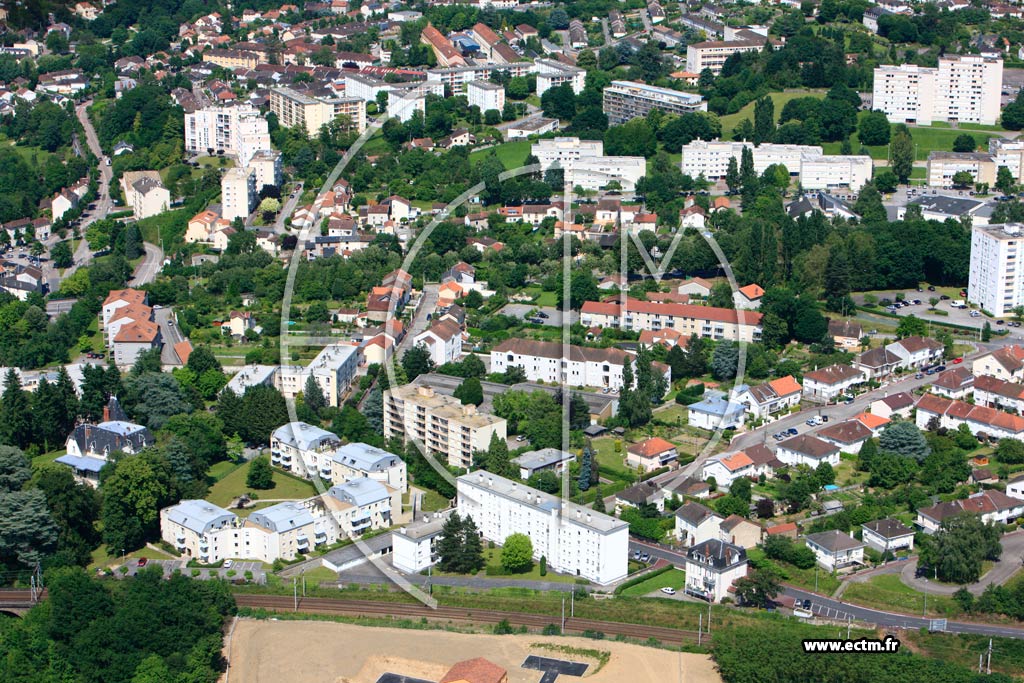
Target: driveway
pixel 1009 564
pixel 427 304
pixel 554 314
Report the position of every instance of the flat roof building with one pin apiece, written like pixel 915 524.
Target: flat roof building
pixel 625 100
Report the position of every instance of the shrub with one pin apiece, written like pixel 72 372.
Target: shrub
pixel 551 630
pixel 195 573
pixel 503 628
pixel 596 635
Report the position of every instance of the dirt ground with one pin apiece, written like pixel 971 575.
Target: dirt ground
pixel 263 651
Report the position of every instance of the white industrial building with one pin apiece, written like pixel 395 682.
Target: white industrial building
pixel 995 283
pixel 485 95
pixel 585 165
pixel 238 130
pixel 573 366
pixel 573 539
pixel 964 88
pixel 808 163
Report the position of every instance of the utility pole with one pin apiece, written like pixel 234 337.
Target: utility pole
pixel 981 659
pixel 700 625
pixel 849 624
pixel 709 618
pixel 988 663
pixel 295 592
pixel 572 604
pixel 563 615
pixel 303 585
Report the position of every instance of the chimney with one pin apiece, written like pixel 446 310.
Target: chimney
pixel 106 413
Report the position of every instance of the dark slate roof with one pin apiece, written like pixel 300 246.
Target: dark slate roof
pixel 716 554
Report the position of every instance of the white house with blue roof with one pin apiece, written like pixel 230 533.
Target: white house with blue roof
pixel 716 411
pixel 355 460
pixel 90 446
pixel 303 449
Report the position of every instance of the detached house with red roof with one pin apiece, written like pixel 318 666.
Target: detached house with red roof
pixel 992 505
pixel 807 450
pixel 652 454
pixel 443 339
pixel 900 404
pixel 776 396
pixel 957 383
pixel 849 436
pixel 1006 363
pixel 728 468
pixel 748 297
pixel 916 352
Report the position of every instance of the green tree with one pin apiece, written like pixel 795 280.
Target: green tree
pixel 960 546
pixel 904 438
pixel 1010 451
pixel 517 554
pixel 134 492
pixel 546 481
pixel 263 410
pixel 313 395
pixel 902 153
pixel 586 469
pixel 470 392
pixel 963 179
pixel 759 588
pixel 725 360
pixel 731 505
pixel 886 181
pixel 498 461
pixel 416 362
pixel 764 120
pixel 260 475
pixel 741 489
pixel 61 255
pixel 75 509
pixel 965 142
pixel 986 332
pixel 152 669
pixel 1005 182
pixel 449 544
pixel 15 413
pixel 873 128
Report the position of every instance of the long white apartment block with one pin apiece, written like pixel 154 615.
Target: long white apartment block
pixel 808 163
pixel 573 539
pixel 457 77
pixel 964 88
pixel 294 108
pixel 996 280
pixel 625 100
pixel 585 165
pixel 240 130
pixel 1008 153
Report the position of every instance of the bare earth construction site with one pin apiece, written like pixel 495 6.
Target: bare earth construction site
pixel 264 651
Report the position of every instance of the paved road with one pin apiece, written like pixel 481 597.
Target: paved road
pixel 171 336
pixel 419 322
pixel 149 267
pixel 1008 565
pixel 839 610
pixel 286 211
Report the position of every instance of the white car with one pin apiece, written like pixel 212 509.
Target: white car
pixel 228 564
pixel 668 590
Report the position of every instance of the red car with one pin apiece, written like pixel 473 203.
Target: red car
pixel 143 561
pixel 957 361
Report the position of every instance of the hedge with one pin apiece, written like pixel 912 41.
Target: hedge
pixel 640 579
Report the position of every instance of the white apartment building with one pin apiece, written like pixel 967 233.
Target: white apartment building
pixel 359 460
pixel 943 166
pixel 334 368
pixel 573 539
pixel 304 449
pixel 237 193
pixel 964 88
pixel 687 319
pixel 413 547
pixel 458 77
pixel 238 130
pixel 814 169
pixel 439 423
pixel 405 107
pixel 585 165
pixel 573 366
pixel 209 534
pixel 485 95
pixel 552 73
pixel 266 166
pixel 144 193
pixel 1008 153
pixel 294 108
pixel 995 283
pixel 625 100
pixel 712 54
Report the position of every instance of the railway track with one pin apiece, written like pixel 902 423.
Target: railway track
pixel 369 608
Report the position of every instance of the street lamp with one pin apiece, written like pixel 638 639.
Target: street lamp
pixel 123 561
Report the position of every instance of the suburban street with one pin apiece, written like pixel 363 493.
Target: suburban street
pixel 171 335
pixel 150 265
pixel 428 302
pixel 830 608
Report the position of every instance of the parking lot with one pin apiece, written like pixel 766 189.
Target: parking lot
pixel 542 315
pixel 238 569
pixel 956 316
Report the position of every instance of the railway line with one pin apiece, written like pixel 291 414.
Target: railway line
pixel 368 608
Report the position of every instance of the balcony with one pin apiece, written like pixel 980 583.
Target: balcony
pixel 302 542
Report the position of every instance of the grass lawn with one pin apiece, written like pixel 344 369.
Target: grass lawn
pixel 492 558
pixel 511 154
pixel 916 173
pixel 780 99
pixel 674 578
pixel 47 458
pixel 318 574
pixel 232 485
pixel 803 578
pixel 221 469
pixel 546 299
pixel 216 162
pixel 432 500
pixel 886 591
pixel 102 557
pixel 674 414
pixel 608 458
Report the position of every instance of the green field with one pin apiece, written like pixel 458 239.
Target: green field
pixel 780 99
pixel 815 578
pixel 511 154
pixel 886 591
pixel 674 578
pixel 232 485
pixel 608 458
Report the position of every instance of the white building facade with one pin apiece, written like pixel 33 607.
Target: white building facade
pixel 995 282
pixel 964 88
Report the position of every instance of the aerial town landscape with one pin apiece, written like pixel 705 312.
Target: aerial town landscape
pixel 511 342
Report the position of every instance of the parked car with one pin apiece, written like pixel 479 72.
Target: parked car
pixel 943 297
pixel 636 555
pixel 940 368
pixel 931 288
pixel 958 361
pixel 228 564
pixel 520 438
pixel 143 561
pixel 646 557
pixel 542 314
pixel 792 431
pixel 668 590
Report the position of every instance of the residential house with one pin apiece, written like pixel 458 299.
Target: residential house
pixel 888 535
pixel 835 550
pixel 715 411
pixel 893 406
pixel 696 523
pixel 543 460
pixel 144 193
pixel 875 423
pixel 877 364
pixel 303 449
pixel 827 384
pixel 134 339
pixel 740 531
pixel 992 505
pixel 748 297
pixel 712 567
pixel 996 393
pixel 695 287
pixel 917 352
pixel 1015 487
pixel 637 495
pixel 726 469
pixel 359 460
pixel 955 383
pixel 805 449
pixel 90 446
pixel 849 436
pixel 776 396
pixel 684 486
pixel 979 419
pixel 1006 363
pixel 652 454
pixel 787 529
pixel 239 322
pixel 443 340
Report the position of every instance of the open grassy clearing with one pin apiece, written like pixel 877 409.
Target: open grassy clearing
pixel 511 154
pixel 729 121
pixel 232 485
pixel 674 578
pixel 887 592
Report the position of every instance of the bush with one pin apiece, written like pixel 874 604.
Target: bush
pixel 551 630
pixel 195 573
pixel 503 628
pixel 596 635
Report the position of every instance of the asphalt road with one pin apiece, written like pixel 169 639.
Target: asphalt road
pixel 171 335
pixel 839 610
pixel 419 322
pixel 289 206
pixel 1008 565
pixel 150 265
